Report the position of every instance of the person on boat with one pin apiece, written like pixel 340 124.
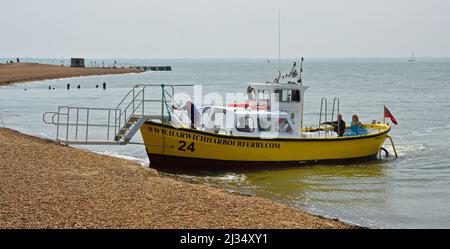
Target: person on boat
pixel 284 126
pixel 192 112
pixel 338 125
pixel 356 127
pixel 244 125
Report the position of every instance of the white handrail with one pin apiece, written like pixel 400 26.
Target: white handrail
pixel 128 107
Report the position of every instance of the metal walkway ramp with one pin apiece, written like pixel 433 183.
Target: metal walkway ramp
pixel 113 126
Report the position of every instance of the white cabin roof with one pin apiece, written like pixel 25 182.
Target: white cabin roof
pixel 274 86
pixel 244 111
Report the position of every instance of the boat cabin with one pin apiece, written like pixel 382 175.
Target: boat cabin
pixel 282 97
pixel 272 109
pixel 245 122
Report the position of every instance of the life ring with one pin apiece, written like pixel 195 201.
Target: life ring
pixel 239 105
pixel 260 107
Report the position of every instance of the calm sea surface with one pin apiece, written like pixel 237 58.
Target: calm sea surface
pixel 410 192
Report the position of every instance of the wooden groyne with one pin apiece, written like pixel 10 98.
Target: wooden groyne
pixel 153 68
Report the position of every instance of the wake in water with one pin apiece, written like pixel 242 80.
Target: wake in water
pixel 408 150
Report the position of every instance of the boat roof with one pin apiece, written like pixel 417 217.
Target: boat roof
pixel 293 86
pixel 241 110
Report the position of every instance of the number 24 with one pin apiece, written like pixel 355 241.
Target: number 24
pixel 183 147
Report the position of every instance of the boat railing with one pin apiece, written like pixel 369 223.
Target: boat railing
pixel 323 110
pixel 335 107
pixel 323 114
pixel 110 126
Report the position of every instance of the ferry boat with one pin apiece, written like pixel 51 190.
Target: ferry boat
pixel 265 130
pixel 255 133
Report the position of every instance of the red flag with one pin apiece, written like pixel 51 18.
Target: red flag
pixel 388 114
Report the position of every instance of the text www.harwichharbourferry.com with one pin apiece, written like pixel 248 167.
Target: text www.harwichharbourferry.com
pixel 214 140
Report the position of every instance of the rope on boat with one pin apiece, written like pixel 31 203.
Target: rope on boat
pixel 385 151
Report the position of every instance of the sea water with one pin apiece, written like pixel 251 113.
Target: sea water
pixel 412 191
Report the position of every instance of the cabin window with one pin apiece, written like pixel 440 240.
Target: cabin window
pixel 245 124
pixel 206 115
pixel 287 95
pixel 219 119
pixel 284 126
pixel 295 96
pixel 263 94
pixel 264 123
pixel 215 120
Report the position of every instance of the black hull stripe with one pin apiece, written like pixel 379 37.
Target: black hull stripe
pixel 275 139
pixel 175 162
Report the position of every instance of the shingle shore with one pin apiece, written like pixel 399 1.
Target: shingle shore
pixel 47 185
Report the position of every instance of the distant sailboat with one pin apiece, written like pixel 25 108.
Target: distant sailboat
pixel 413 57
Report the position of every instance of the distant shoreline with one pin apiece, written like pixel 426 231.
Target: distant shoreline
pixel 25 72
pixel 130 61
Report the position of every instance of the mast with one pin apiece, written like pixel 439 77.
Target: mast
pixel 301 71
pixel 413 57
pixel 279 44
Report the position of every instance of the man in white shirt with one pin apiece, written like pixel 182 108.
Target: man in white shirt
pixel 192 112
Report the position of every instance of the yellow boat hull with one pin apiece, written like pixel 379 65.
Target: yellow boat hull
pixel 172 147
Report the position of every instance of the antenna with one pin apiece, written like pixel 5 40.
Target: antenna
pixel 279 44
pixel 301 71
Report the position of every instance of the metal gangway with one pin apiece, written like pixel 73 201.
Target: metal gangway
pixel 116 125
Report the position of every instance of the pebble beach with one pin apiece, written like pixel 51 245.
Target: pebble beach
pixel 48 185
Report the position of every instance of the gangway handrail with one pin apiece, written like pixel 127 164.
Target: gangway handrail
pixel 53 118
pixel 141 102
pixel 126 96
pixel 130 110
pixel 128 106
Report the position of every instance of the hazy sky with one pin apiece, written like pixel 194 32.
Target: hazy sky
pixel 223 29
